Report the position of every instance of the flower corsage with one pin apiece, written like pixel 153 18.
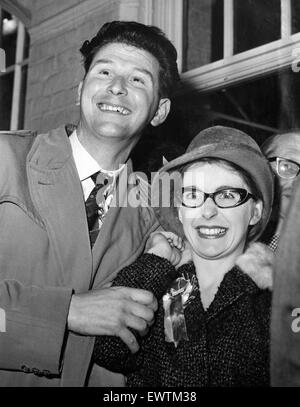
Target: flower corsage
pixel 179 295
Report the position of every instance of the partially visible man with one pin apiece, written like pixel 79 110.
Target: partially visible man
pixel 283 153
pixel 285 320
pixel 53 249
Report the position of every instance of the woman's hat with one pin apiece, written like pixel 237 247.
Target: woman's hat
pixel 224 143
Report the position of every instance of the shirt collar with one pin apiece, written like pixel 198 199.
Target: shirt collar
pixel 86 165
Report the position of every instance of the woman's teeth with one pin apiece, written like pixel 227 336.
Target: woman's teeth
pixel 212 232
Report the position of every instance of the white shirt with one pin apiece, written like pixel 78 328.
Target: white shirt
pixel 87 166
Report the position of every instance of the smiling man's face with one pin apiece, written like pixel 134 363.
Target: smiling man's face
pixel 120 93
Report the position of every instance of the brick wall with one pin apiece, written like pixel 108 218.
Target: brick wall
pixel 57 31
pixel 43 9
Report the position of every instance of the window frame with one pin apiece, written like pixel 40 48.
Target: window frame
pixel 168 15
pixel 16 68
pixel 232 69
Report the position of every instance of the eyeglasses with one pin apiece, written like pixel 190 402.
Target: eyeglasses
pixel 285 168
pixel 224 198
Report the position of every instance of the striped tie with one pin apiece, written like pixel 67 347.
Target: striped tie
pixel 95 204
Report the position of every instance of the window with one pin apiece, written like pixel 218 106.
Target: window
pixel 203 33
pixel 14 39
pixel 258 37
pixel 243 59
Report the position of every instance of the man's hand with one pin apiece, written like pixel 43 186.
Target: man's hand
pixel 111 311
pixel 186 255
pixel 167 245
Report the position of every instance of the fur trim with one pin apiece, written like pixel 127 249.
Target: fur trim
pixel 257 262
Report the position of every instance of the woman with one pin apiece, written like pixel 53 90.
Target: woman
pixel 212 324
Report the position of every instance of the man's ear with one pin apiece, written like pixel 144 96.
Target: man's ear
pixel 161 112
pixel 79 93
pixel 256 212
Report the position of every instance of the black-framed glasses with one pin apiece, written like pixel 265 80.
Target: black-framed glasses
pixel 224 198
pixel 287 169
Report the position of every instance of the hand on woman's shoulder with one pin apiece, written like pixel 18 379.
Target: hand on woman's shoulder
pixel 257 262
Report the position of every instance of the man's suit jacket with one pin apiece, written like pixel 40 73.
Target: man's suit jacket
pixel 285 321
pixel 45 256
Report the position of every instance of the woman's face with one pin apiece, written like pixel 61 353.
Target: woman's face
pixel 215 232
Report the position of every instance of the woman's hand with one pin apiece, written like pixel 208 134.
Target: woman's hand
pixel 166 245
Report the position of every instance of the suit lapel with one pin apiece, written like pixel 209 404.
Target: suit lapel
pixel 56 190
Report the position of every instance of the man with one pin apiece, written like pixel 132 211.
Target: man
pixel 49 257
pixel 285 320
pixel 283 153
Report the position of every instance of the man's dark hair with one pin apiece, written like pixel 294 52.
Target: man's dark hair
pixel 148 38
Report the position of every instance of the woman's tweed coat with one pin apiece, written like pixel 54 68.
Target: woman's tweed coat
pixel 228 344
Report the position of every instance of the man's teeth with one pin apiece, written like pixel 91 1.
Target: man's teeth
pixel 110 108
pixel 212 231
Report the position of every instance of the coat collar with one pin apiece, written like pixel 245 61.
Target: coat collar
pixel 51 151
pixel 56 192
pixel 234 286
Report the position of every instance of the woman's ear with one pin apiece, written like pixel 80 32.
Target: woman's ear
pixel 256 212
pixel 161 112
